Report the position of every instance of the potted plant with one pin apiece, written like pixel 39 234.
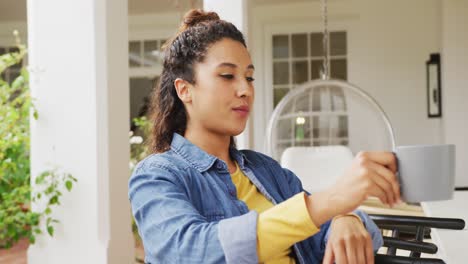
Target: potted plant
pixel 17 220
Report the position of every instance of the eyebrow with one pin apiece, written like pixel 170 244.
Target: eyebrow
pixel 232 65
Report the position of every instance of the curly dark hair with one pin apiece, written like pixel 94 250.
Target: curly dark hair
pixel 198 31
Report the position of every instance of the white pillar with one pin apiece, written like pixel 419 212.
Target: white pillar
pixel 236 12
pixel 455 82
pixel 78 56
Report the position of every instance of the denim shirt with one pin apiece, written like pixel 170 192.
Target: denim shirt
pixel 187 211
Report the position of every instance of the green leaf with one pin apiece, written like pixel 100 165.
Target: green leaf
pixel 48 211
pixel 49 190
pixel 50 230
pixel 17 83
pixel 32 239
pixel 41 178
pixel 53 200
pixel 71 177
pixel 25 74
pixel 69 185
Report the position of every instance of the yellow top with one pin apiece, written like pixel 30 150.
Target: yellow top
pixel 279 227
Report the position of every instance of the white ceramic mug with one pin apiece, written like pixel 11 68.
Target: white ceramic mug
pixel 426 172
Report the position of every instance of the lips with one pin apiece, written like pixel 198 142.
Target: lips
pixel 242 111
pixel 243 108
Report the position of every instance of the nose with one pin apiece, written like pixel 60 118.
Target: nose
pixel 245 89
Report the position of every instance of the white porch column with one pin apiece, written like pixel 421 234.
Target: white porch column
pixel 235 12
pixel 78 54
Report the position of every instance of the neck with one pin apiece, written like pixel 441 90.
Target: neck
pixel 212 143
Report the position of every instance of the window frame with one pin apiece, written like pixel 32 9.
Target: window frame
pixel 265 95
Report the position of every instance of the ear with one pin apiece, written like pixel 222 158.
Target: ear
pixel 183 90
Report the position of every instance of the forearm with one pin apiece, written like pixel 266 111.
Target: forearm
pixel 320 207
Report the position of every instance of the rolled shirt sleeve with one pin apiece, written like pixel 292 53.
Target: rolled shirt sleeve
pixel 238 237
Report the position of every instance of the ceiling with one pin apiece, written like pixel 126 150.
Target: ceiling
pixel 268 2
pixel 12 10
pixel 136 7
pixel 15 10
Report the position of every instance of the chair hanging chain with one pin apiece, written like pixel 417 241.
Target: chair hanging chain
pixel 326 42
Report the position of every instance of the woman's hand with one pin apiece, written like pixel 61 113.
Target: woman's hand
pixel 370 174
pixel 349 243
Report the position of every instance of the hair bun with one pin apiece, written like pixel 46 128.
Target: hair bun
pixel 191 19
pixel 196 16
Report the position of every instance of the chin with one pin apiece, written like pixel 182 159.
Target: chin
pixel 237 130
pixel 231 128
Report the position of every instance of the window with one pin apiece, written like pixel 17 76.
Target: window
pixel 319 118
pixel 140 90
pixel 145 53
pixel 145 63
pixel 297 58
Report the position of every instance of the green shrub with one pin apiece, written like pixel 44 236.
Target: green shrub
pixel 17 220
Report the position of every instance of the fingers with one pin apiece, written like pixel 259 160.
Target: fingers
pixel 361 255
pixel 373 185
pixel 385 187
pixel 361 250
pixel 379 193
pixel 328 258
pixel 387 159
pixel 340 252
pixel 391 187
pixel 369 250
pixel 352 253
pixel 382 178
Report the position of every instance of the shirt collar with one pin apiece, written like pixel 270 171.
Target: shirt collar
pixel 200 159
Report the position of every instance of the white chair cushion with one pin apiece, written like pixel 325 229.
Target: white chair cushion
pixel 317 167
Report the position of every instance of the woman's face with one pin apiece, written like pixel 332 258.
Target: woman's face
pixel 222 97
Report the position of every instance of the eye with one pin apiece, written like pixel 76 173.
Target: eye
pixel 227 76
pixel 250 79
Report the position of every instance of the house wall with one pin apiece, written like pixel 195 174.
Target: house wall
pixel 6 32
pixel 455 82
pixel 388 45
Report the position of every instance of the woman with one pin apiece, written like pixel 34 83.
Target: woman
pixel 198 199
